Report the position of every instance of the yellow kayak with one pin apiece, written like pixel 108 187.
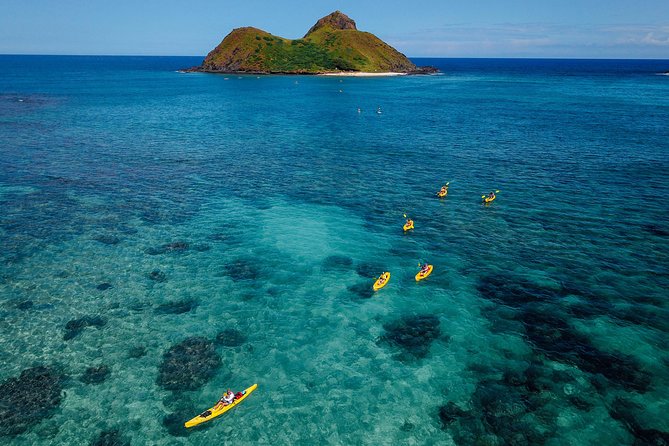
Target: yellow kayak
pixel 408 226
pixel 212 413
pixel 441 194
pixel 382 281
pixel 420 276
pixel 489 200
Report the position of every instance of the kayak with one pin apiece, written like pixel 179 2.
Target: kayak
pixel 378 285
pixel 488 200
pixel 212 413
pixel 441 194
pixel 408 226
pixel 420 276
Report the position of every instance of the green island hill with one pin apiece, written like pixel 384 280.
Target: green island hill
pixel 332 45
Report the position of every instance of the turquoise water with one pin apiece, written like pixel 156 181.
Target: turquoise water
pixel 142 207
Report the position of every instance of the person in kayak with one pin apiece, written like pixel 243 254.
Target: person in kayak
pixel 491 195
pixel 227 398
pixel 424 269
pixel 444 190
pixel 382 279
pixel 409 222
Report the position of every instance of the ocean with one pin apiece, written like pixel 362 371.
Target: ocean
pixel 166 236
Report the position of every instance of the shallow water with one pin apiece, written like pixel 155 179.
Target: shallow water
pixel 145 206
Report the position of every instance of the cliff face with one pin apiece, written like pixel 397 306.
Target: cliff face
pixel 332 44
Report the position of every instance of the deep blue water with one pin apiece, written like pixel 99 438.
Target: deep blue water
pixel 166 236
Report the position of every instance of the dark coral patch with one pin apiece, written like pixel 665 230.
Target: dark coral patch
pixel 104 286
pixel 24 305
pixel 550 333
pixel 502 410
pixel 581 403
pixel 337 262
pixel 631 416
pixel 107 239
pixel 174 423
pixel 240 270
pixel 95 375
pixel 515 293
pixel 76 326
pixel 137 352
pixel 369 270
pixel 498 412
pixel 450 412
pixel 157 276
pixel 230 338
pixel 188 365
pixel 168 248
pixel 413 334
pixel 176 246
pixel 178 307
pixel 362 289
pixel 28 399
pixel 110 438
pixel 21 304
pixel 649 316
pixel 180 409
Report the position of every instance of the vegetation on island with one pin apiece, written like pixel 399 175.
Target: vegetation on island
pixel 332 44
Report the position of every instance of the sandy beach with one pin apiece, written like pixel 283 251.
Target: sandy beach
pixel 361 74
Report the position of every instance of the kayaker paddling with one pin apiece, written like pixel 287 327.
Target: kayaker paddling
pixel 381 281
pixel 491 195
pixel 227 398
pixel 228 401
pixel 424 271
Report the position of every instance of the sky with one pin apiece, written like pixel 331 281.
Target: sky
pixel 418 28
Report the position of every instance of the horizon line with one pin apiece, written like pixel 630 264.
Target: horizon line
pixel 410 57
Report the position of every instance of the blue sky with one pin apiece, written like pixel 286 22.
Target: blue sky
pixel 439 28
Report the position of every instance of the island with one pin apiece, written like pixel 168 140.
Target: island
pixel 332 46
